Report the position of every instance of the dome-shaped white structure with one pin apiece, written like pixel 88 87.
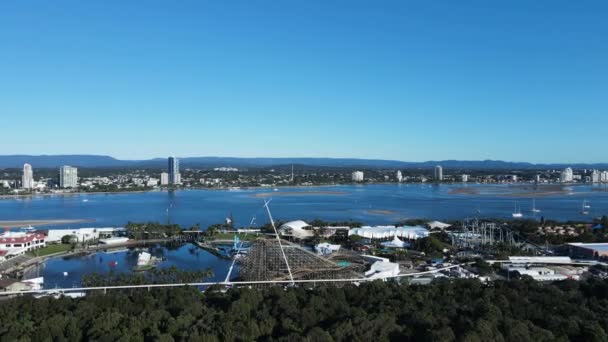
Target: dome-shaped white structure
pixel 296 229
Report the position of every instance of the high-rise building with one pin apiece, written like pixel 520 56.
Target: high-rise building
pixel 438 173
pixel 595 176
pixel 357 176
pixel 68 177
pixel 537 179
pixel 399 176
pixel 465 178
pixel 604 177
pixel 164 178
pixel 567 175
pixel 27 180
pixel 174 175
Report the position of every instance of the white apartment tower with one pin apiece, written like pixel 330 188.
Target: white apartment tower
pixel 595 176
pixel 27 180
pixel 567 175
pixel 399 176
pixel 68 177
pixel 164 178
pixel 357 176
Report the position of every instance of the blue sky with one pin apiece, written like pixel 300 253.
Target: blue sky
pixel 406 80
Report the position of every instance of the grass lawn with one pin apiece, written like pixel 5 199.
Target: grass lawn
pixel 51 249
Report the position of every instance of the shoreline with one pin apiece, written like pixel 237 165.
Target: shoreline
pixel 460 189
pixel 27 265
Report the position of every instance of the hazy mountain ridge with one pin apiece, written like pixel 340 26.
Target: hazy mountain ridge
pixel 51 161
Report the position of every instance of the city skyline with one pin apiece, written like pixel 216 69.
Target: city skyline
pixel 520 81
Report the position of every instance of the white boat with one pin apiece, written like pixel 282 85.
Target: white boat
pixel 144 259
pixel 534 209
pixel 586 206
pixel 517 213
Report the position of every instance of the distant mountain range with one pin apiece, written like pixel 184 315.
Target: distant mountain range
pixel 90 161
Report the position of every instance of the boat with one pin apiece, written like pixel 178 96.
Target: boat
pixel 517 213
pixel 586 206
pixel 145 262
pixel 534 209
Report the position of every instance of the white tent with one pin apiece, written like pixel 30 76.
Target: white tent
pixel 385 232
pixel 395 243
pixel 382 270
pixel 412 233
pixel 325 248
pixel 437 224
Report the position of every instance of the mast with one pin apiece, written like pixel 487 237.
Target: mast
pixel 279 241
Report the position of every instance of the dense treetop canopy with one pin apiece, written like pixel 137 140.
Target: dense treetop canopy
pixel 462 310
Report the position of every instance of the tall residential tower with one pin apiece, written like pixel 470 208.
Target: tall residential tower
pixel 27 180
pixel 174 175
pixel 68 177
pixel 438 173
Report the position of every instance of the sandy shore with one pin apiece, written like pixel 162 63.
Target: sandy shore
pixel 72 194
pixel 297 193
pixel 523 190
pixel 381 212
pixel 34 223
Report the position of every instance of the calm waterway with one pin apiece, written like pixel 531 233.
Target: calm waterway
pixel 185 257
pixel 370 204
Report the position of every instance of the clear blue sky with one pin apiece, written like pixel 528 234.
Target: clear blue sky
pixel 407 80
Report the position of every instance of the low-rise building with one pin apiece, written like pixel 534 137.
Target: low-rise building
pixel 580 250
pixel 17 243
pixel 82 234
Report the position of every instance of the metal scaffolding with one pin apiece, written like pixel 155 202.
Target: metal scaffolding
pixel 473 234
pixel 265 262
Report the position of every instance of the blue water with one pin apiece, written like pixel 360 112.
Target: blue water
pixel 186 257
pixel 213 206
pixel 359 203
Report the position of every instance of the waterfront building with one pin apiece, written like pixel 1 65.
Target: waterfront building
pixel 588 250
pixel 68 177
pixel 82 234
pixel 537 179
pixel 174 175
pixel 604 177
pixel 514 178
pixel 357 176
pixel 595 176
pixel 438 173
pixel 164 178
pixel 152 182
pixel 465 178
pixel 567 175
pixel 17 243
pixel 399 176
pixel 27 180
pixel 296 229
